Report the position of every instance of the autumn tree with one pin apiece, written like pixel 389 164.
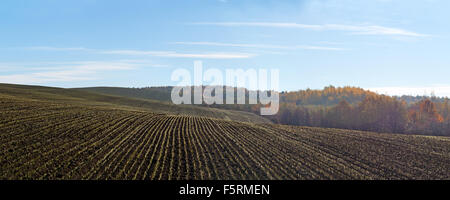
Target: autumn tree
pixel 445 112
pixel 300 116
pixel 355 108
pixel 340 116
pixel 382 114
pixel 424 118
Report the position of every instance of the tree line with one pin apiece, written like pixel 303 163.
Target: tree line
pixel 337 107
pixel 363 110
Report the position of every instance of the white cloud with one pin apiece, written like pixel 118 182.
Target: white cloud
pixel 45 77
pixel 169 54
pixel 262 46
pixel 69 71
pixel 46 48
pixel 180 55
pixel 354 29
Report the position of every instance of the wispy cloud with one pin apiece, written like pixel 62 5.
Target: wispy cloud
pixel 46 77
pixel 173 54
pixel 262 46
pixel 67 71
pixel 353 29
pixel 169 54
pixel 47 48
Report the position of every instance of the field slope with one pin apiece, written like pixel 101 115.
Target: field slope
pixel 99 100
pixel 61 138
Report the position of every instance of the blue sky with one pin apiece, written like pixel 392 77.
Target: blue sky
pixel 390 46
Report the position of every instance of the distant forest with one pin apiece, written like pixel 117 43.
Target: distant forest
pixel 355 108
pixel 338 107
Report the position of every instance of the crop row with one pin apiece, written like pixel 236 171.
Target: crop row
pixel 57 141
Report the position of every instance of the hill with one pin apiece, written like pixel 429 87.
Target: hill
pixel 155 93
pixel 85 98
pixel 337 107
pixel 47 135
pixel 328 96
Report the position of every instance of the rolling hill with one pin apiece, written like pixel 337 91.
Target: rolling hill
pixel 53 133
pixel 155 93
pixel 85 98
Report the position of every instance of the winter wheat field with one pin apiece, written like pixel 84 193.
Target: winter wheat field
pixel 233 91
